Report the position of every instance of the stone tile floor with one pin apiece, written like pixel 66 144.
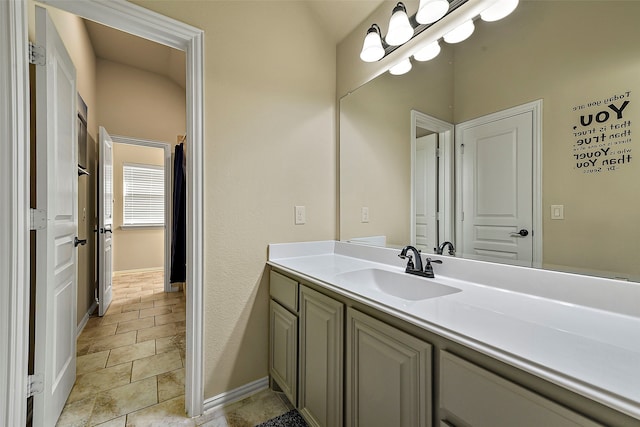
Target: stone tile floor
pixel 130 365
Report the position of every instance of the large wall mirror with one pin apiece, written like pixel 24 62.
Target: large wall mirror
pixel 580 60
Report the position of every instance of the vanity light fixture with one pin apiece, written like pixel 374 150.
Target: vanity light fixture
pixel 401 67
pixel 372 49
pixel 430 11
pixel 375 47
pixel 499 10
pixel 460 33
pixel 400 29
pixel 428 52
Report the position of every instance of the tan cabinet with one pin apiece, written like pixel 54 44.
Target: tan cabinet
pixel 473 396
pixel 388 375
pixel 283 349
pixel 283 334
pixel 350 368
pixel 321 359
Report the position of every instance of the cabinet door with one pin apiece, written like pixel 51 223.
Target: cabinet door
pixel 321 353
pixel 480 398
pixel 388 375
pixel 283 351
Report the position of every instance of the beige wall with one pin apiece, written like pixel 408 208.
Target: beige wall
pixel 134 248
pixel 375 147
pixel 139 104
pixel 143 105
pixel 76 40
pixel 269 145
pixel 565 66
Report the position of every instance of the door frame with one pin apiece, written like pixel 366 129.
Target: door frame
pixel 535 107
pixel 168 212
pixel 445 131
pixel 14 214
pixel 15 167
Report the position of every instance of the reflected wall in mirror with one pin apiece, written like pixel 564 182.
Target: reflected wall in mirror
pixel 582 59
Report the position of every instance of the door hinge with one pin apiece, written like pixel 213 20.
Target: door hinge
pixel 38 219
pixel 462 215
pixel 461 148
pixel 35 384
pixel 437 152
pixel 36 54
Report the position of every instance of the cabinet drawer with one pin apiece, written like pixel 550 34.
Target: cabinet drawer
pixel 480 398
pixel 284 290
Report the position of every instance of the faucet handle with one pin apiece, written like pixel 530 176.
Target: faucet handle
pixel 410 258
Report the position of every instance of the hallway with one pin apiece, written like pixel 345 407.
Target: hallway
pixel 130 365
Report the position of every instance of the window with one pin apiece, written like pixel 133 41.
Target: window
pixel 143 194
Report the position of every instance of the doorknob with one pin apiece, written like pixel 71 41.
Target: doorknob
pixel 77 242
pixel 105 230
pixel 521 233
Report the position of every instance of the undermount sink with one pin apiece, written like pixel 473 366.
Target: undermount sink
pixel 399 285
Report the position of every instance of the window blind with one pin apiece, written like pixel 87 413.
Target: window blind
pixel 143 188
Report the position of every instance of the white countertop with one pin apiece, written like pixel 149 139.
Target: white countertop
pixel 592 351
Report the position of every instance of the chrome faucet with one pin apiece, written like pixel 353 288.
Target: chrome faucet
pixel 417 268
pixel 440 250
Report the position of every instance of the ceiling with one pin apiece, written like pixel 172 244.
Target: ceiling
pixel 336 17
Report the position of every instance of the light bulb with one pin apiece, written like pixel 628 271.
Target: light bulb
pixel 401 67
pixel 431 10
pixel 499 10
pixel 400 30
pixel 372 49
pixel 428 52
pixel 460 33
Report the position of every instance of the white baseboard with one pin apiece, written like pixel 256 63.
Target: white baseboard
pixel 85 319
pixel 235 395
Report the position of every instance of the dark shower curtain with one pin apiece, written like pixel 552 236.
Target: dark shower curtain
pixel 179 226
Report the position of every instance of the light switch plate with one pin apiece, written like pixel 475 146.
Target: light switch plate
pixel 557 211
pixel 364 214
pixel 301 215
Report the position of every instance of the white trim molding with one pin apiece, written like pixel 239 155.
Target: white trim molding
pixel 14 213
pixel 14 216
pixel 85 318
pixel 535 107
pixel 235 395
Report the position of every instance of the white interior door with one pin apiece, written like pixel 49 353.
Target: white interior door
pixel 57 194
pixel 105 221
pixel 426 192
pixel 497 190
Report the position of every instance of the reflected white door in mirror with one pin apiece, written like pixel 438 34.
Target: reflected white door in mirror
pixel 432 213
pixel 496 191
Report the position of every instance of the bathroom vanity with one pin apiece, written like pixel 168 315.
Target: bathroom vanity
pixel 356 341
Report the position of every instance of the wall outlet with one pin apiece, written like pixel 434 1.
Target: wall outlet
pixel 364 214
pixel 301 215
pixel 557 211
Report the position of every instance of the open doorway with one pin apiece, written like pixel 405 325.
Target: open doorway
pixel 191 262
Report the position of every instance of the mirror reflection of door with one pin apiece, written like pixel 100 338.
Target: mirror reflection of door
pixel 432 195
pixel 497 189
pixel 426 192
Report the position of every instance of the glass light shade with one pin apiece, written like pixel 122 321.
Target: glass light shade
pixel 401 67
pixel 431 10
pixel 499 10
pixel 428 52
pixel 461 33
pixel 400 29
pixel 372 49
